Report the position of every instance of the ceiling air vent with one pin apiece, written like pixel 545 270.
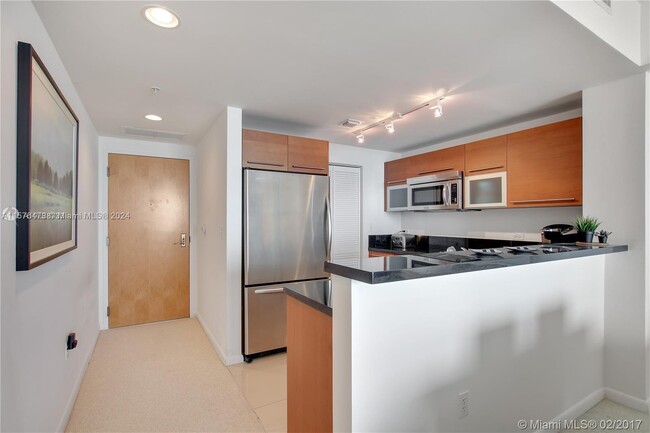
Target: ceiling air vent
pixel 350 123
pixel 165 135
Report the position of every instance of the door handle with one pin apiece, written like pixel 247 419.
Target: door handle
pixel 267 291
pixel 436 171
pixel 328 209
pixel 183 240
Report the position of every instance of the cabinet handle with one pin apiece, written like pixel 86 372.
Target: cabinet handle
pixel 307 167
pixel 485 168
pixel 395 181
pixel 265 163
pixel 543 200
pixel 436 171
pixel 267 291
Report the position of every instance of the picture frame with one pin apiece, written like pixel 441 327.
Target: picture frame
pixel 47 139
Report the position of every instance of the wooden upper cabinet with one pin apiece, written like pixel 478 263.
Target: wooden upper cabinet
pixel 485 156
pixel 396 172
pixel 307 155
pixel 545 165
pixel 440 161
pixel 264 150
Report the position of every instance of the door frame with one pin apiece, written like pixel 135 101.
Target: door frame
pixel 124 146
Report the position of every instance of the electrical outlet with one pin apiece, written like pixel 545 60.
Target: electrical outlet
pixel 463 404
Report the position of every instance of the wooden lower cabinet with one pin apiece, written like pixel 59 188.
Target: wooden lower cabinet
pixel 309 368
pixel 378 254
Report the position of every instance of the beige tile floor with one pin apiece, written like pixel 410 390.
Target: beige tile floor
pixel 608 410
pixel 264 384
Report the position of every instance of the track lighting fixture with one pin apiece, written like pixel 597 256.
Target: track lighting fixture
pixel 437 108
pixel 388 122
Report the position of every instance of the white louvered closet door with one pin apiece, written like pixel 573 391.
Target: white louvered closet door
pixel 345 199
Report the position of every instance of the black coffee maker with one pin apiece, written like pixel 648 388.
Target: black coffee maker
pixel 559 234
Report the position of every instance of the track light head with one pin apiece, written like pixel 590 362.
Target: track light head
pixel 437 108
pixel 360 138
pixel 390 127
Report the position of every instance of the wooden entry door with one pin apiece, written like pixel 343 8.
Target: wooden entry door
pixel 148 263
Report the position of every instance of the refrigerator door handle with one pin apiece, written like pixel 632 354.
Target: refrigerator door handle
pixel 246 233
pixel 266 291
pixel 328 209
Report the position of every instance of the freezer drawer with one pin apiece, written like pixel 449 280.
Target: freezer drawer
pixel 265 314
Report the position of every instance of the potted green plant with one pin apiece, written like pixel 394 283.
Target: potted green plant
pixel 602 236
pixel 586 226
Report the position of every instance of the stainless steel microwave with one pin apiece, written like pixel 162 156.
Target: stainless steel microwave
pixel 436 192
pixel 397 198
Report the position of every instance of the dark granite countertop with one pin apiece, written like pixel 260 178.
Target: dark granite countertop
pixel 316 296
pixel 409 266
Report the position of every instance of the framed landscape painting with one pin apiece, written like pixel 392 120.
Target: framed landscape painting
pixel 46 184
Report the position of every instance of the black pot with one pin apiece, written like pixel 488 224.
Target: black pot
pixel 587 237
pixel 602 239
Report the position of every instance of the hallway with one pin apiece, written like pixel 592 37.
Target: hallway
pixel 163 376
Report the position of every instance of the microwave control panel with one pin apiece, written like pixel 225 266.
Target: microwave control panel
pixel 454 194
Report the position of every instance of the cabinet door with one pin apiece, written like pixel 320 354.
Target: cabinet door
pixel 264 150
pixel 378 254
pixel 307 155
pixel 397 171
pixel 440 161
pixel 485 156
pixel 545 165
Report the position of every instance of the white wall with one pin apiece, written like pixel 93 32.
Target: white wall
pixel 144 148
pixel 614 126
pixel 525 341
pixel 490 220
pixel 41 306
pixel 220 234
pixel 373 218
pixel 624 28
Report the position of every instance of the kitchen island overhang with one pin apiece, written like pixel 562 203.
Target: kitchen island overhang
pixel 526 342
pixel 375 270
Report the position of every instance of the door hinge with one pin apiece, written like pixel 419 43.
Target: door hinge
pixel 108 311
pixel 108 241
pixel 108 171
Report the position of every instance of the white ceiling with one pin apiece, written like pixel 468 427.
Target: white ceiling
pixel 302 67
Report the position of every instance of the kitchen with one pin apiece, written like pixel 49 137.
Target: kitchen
pixel 612 104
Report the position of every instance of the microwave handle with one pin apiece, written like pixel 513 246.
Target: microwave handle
pixel 445 199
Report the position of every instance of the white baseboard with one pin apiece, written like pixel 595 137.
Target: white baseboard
pixel 227 360
pixel 63 422
pixel 627 400
pixel 580 408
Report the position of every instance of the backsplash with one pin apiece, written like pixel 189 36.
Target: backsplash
pixel 453 223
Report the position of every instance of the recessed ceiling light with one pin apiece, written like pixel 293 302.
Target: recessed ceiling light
pixel 153 117
pixel 161 17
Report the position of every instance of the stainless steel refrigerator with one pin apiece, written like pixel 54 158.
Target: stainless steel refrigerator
pixel 287 239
